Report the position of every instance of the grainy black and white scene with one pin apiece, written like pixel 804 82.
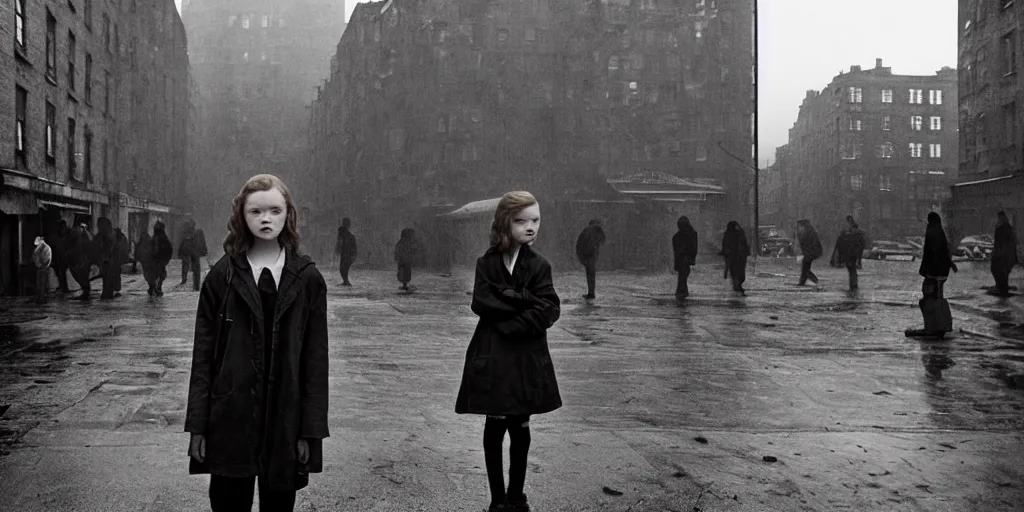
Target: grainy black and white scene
pixel 511 255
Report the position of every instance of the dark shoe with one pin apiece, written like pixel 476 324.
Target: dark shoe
pixel 159 292
pixel 588 296
pixel 83 296
pixel 497 507
pixel 517 504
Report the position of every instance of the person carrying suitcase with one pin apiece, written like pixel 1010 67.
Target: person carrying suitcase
pixel 936 263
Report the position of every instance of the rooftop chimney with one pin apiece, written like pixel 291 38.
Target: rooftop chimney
pixel 854 68
pixel 878 63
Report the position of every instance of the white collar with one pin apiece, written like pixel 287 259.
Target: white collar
pixel 275 269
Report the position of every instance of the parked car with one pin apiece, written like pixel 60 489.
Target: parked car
pixel 889 250
pixel 777 247
pixel 975 247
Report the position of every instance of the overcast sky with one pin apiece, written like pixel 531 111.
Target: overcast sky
pixel 804 43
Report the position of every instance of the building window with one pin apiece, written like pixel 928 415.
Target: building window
pixel 88 155
pixel 856 181
pixel 266 21
pixel 502 35
pixel 88 14
pixel 935 150
pixel 702 153
pixel 396 139
pixel 106 91
pixel 51 127
pixel 886 122
pixel 884 182
pixel 1008 52
pixel 915 150
pixel 245 22
pixel 885 150
pixel 916 122
pixel 442 124
pixel 20 124
pixel 72 50
pixel 935 97
pixel 855 125
pixel 935 123
pixel 19 23
pixel 916 96
pixel 88 78
pixel 51 46
pixel 72 167
pixel 231 20
pixel 855 94
pixel 886 95
pixel 106 31
pixel 280 23
pixel 530 35
pixel 1010 124
pixel 613 63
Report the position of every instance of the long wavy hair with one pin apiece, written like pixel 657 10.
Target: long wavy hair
pixel 240 239
pixel 510 204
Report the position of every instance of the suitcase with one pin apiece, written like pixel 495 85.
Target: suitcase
pixel 937 316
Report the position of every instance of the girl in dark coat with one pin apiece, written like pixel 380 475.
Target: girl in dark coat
pixel 810 248
pixel 735 249
pixel 1004 254
pixel 684 250
pixel 508 374
pixel 935 260
pixel 406 252
pixel 257 400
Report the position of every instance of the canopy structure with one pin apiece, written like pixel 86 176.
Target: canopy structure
pixel 485 206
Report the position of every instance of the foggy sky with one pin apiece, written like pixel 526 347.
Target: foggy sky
pixel 804 43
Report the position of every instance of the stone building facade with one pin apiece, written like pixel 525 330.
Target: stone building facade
pixel 94 108
pixel 256 66
pixel 991 99
pixel 875 145
pixel 432 106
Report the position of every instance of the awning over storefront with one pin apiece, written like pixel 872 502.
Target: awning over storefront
pixel 44 203
pixel 475 208
pixel 18 202
pixel 39 185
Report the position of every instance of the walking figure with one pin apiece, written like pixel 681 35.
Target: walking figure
pixel 59 248
pixel 257 400
pixel 508 374
pixel 735 250
pixel 154 254
pixel 406 254
pixel 588 247
pixel 1004 254
pixel 936 262
pixel 190 250
pixel 850 249
pixel 79 257
pixel 810 248
pixel 42 256
pixel 684 248
pixel 346 250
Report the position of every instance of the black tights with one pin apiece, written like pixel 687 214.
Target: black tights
pixel 518 428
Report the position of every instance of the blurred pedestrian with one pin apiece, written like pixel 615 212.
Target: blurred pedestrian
pixel 191 249
pixel 735 250
pixel 849 249
pixel 106 251
pixel 1004 254
pixel 588 248
pixel 508 374
pixel 79 255
pixel 936 263
pixel 154 255
pixel 684 250
pixel 346 250
pixel 42 257
pixel 406 255
pixel 810 248
pixel 257 398
pixel 58 247
pixel 143 241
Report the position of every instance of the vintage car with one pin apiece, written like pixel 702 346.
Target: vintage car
pixel 889 250
pixel 975 247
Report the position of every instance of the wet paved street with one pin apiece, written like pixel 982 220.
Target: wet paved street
pixel 787 399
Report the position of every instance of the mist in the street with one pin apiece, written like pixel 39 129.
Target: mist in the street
pixel 710 255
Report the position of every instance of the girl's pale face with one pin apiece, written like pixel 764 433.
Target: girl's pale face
pixel 265 213
pixel 526 224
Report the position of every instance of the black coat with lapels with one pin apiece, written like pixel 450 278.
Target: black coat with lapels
pixel 508 368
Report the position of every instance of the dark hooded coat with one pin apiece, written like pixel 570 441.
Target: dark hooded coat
pixel 935 260
pixel 849 246
pixel 508 369
pixel 810 244
pixel 226 399
pixel 1004 249
pixel 735 247
pixel 588 244
pixel 684 244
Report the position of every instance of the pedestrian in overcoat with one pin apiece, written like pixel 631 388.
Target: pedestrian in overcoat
pixel 810 249
pixel 1004 254
pixel 735 250
pixel 257 402
pixel 684 250
pixel 588 248
pixel 508 375
pixel 154 254
pixel 346 249
pixel 406 255
pixel 850 249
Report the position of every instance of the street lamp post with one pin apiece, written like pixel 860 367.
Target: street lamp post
pixel 757 163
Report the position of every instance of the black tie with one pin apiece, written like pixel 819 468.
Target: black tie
pixel 266 284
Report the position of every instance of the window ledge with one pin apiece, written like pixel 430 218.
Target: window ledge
pixel 19 53
pixel 51 79
pixel 72 97
pixel 1011 73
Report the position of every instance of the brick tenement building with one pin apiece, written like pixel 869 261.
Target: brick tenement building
pixel 991 97
pixel 432 106
pixel 85 120
pixel 875 145
pixel 256 66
